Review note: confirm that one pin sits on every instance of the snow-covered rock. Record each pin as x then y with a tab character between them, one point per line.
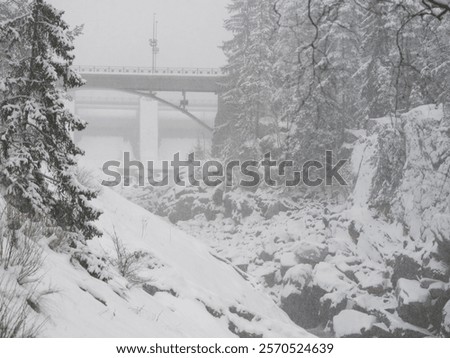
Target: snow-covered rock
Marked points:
445	326
351	323
373	281
287	260
275	208
413	302
299	276
310	252
302	305
329	278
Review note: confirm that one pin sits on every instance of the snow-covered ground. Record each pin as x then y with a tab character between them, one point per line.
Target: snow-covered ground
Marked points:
188	292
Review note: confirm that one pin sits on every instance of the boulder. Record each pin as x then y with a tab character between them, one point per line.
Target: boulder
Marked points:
266	255
217	197
414	302
270	278
302	306
298	299
398	328
436	268
329	278
439	289
435	313
354	230
351	323
445	324
242	267
182	210
299	276
268	252
373	281
236	208
310	252
228	205
331	304
405	267
440	295
287	260
210	215
275	208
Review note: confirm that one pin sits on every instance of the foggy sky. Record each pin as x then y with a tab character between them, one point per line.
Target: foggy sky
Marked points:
117	32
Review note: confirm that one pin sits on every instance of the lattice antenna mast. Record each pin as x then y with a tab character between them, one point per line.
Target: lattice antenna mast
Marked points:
154	43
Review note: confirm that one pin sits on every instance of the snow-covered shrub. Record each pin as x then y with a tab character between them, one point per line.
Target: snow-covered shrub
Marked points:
21	259
60	240
86	178
16	315
129	263
19	250
95	265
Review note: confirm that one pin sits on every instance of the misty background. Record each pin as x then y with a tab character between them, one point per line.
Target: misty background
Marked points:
117	32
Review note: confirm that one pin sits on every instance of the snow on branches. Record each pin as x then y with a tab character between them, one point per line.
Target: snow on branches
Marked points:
37	153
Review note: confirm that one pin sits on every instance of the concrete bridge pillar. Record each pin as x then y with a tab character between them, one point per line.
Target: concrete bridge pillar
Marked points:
149	129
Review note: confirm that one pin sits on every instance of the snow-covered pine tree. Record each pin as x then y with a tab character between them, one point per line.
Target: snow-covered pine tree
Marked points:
344	57
238	24
37	154
249	71
10	9
427	55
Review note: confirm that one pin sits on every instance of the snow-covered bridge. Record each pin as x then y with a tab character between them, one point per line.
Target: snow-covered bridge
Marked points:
205	80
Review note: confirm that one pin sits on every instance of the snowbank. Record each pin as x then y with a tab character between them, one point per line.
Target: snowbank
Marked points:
190	292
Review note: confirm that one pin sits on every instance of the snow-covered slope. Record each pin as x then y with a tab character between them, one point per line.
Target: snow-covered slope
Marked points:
188	291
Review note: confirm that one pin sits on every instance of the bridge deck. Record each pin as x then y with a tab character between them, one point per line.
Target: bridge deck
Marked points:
146	79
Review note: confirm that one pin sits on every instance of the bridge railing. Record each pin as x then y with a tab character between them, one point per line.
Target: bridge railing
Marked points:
168	71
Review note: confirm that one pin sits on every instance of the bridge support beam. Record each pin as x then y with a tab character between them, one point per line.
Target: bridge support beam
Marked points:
149	129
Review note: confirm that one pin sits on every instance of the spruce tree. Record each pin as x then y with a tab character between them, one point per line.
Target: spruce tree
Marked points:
249	72
37	154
